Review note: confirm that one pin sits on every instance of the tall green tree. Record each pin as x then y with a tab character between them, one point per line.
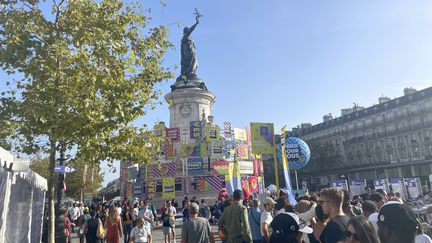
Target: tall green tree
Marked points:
324	155
84	70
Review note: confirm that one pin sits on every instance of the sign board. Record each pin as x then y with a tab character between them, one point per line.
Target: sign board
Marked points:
414	188
398	186
246	167
340	184
137	189
357	187
195	162
262	138
381	184
195	166
88	196
63	169
240	134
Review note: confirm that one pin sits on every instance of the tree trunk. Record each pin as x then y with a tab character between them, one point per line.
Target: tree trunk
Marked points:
51	194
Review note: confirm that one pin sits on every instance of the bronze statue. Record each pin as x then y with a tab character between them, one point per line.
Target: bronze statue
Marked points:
189	62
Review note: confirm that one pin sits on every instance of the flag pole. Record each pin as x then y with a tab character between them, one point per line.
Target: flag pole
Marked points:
275	165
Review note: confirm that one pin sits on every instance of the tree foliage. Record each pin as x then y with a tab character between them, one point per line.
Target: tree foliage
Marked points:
81	73
87	71
323	156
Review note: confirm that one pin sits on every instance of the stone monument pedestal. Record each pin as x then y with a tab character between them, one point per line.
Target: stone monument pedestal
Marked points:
187	105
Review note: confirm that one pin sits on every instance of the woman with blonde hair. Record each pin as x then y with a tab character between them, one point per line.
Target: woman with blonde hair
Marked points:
113	227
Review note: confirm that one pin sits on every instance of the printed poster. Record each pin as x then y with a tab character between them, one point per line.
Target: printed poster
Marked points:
195	166
262	138
245	185
168	188
173	134
240	134
212	133
220	167
159	130
253	182
191	150
242	151
195	129
164	170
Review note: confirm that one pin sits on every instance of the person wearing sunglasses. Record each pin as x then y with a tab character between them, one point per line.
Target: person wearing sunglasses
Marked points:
331	201
360	230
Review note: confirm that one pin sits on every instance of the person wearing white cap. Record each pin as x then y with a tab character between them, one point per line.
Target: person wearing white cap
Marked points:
288	228
266	218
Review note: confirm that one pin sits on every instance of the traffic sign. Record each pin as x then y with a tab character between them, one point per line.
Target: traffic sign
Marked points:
63	169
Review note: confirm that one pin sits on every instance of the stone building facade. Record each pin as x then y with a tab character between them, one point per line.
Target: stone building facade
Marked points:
388	140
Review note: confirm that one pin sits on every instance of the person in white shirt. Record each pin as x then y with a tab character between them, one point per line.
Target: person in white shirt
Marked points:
266	218
76	213
146	214
172	212
135	211
140	233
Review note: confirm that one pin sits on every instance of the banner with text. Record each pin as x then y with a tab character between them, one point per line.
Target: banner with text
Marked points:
195	129
195	166
262	138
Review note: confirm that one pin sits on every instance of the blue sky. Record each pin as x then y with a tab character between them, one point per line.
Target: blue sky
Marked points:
293	61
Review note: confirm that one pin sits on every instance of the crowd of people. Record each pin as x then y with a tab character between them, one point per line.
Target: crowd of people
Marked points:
330	216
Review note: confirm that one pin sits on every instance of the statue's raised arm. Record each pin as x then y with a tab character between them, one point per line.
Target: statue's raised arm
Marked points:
189	62
187	31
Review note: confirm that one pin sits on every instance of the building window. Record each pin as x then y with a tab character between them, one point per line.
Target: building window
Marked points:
403	153
416	152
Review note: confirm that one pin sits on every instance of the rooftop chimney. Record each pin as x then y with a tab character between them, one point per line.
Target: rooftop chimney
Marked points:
327	117
383	99
409	90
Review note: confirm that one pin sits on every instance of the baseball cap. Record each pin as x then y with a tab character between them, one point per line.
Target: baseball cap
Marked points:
289	223
269	200
397	216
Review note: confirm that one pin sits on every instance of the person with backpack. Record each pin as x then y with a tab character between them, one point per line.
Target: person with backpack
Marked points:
254	221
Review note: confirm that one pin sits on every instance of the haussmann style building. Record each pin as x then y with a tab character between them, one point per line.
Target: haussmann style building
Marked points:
389	140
